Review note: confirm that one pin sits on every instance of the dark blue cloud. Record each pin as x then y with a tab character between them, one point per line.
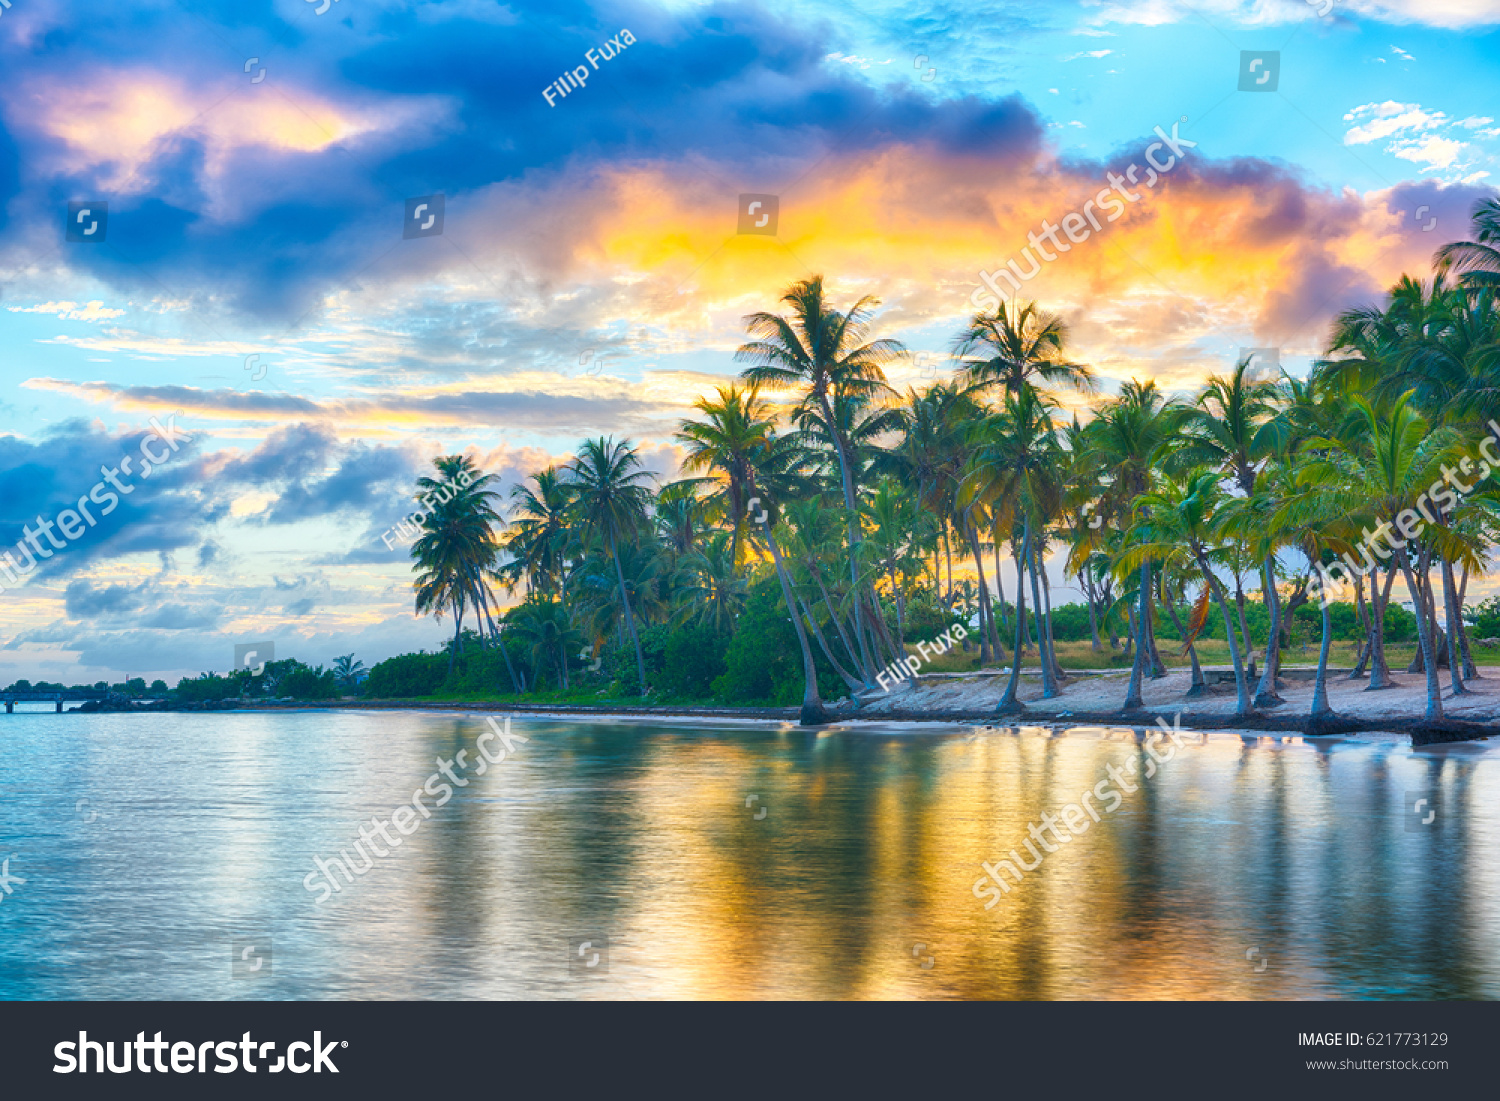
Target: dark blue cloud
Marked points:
296	459
39	480
742	91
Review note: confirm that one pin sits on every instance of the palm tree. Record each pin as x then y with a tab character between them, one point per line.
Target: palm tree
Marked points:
735	434
1019	346
457	546
1231	427
1377	473
931	458
712	592
1013	472
680	517
544	624
539	534
1476	262
605	480
1131	434
739	451
1182	515
347	672
823	353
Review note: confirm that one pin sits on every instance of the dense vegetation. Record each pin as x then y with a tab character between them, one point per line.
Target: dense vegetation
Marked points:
824	520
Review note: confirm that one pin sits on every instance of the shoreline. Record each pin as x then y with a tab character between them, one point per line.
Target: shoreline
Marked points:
1421	732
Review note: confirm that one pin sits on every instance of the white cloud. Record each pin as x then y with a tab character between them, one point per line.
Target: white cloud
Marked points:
1423	136
1088	53
1260	13
1389	118
1433	151
70	311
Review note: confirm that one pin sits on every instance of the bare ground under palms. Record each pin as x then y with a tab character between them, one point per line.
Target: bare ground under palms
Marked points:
1098	698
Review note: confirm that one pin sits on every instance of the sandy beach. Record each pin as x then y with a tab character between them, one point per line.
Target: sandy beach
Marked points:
1103	693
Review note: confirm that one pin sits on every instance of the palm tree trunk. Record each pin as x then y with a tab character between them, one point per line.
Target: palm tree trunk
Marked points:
1241	681
1239	599
1198	686
458	626
1471	671
1265	695
948	552
1000	590
856	536
1044	656
1133	699
482	603
1320	707
900	610
1363	656
1158	667
988	620
1424	636
882	630
984	595
640	658
1450	611
1009	704
1380	672
1422	568
838	625
813	713
1106	602
1057	670
852	682
1088	596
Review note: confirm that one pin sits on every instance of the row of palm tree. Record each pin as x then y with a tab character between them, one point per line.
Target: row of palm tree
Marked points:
862	500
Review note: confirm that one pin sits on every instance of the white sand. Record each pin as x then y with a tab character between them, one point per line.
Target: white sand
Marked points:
1106	692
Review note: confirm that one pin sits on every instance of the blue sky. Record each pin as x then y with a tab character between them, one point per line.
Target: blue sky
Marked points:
257	159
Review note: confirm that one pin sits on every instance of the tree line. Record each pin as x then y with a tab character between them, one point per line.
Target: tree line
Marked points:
861	507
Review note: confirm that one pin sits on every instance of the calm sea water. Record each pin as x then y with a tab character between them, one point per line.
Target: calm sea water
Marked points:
167	856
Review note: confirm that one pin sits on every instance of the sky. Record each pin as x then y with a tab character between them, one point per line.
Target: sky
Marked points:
315	243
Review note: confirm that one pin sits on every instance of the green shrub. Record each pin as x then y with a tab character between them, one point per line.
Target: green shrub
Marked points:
407	675
763	661
693	658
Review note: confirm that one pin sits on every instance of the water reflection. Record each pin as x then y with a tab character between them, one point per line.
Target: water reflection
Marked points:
739	861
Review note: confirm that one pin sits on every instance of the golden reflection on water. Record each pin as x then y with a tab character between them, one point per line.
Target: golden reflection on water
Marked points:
756	861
